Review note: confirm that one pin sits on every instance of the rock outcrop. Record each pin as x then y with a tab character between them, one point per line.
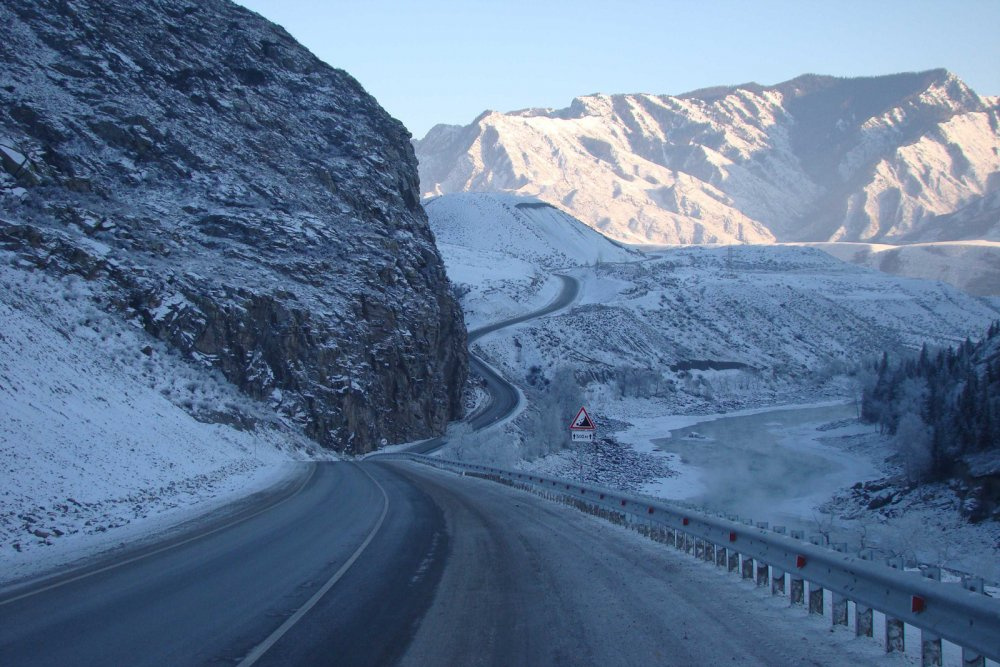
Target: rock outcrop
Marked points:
234	196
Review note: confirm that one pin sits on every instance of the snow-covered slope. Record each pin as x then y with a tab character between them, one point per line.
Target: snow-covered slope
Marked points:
709	329
812	159
685	336
500	250
973	266
102	426
520	228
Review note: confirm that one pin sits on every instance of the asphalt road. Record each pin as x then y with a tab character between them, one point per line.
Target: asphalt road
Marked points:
396	563
530	582
212	599
503	395
337	568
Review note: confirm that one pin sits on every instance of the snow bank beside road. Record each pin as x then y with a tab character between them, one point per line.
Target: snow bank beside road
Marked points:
97	432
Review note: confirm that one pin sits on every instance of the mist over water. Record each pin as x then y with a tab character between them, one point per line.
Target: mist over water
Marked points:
768	466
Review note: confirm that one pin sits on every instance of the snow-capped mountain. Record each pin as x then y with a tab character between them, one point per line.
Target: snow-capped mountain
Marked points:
886	159
227	193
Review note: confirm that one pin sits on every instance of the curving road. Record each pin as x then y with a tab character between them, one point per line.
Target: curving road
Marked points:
503	395
394	563
212	596
346	547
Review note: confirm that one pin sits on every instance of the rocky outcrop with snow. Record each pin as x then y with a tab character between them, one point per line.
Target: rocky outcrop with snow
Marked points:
235	197
885	159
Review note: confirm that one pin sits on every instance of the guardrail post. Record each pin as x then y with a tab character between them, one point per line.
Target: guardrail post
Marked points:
763	574
971	658
796	583
778	576
864	622
777	581
797	586
894	628
815	599
838	609
930	643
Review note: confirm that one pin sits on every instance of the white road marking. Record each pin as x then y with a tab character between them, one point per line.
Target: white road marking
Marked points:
134	559
273	638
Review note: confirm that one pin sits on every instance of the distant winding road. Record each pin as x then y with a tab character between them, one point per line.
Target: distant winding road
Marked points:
386	563
503	395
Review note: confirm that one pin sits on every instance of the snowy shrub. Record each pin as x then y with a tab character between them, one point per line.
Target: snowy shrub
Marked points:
913	443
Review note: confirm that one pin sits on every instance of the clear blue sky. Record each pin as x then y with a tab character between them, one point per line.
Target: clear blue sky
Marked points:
446	61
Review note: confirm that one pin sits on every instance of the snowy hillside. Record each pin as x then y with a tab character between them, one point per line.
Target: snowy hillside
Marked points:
703	340
520	228
500	250
973	266
102	425
812	159
708	329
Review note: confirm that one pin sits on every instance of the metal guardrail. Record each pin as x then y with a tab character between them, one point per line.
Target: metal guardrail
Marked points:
940	610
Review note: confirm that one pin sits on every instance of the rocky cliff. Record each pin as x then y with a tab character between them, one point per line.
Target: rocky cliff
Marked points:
232	195
884	159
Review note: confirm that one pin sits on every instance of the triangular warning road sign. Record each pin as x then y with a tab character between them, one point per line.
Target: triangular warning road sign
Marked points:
582	422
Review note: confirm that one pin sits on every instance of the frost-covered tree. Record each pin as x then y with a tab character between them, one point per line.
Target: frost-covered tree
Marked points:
554	403
947	404
913	443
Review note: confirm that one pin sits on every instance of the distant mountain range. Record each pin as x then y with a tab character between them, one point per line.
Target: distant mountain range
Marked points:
894	159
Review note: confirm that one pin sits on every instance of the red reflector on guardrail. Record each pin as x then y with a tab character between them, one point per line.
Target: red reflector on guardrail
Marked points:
917	604
732	536
650	510
685	521
623	503
800	561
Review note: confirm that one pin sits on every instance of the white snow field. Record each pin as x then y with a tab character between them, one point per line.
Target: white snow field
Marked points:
98	445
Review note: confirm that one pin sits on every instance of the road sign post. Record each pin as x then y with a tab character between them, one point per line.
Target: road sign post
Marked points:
582	429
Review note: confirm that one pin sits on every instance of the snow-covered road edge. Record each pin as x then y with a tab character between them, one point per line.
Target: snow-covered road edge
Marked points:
219	499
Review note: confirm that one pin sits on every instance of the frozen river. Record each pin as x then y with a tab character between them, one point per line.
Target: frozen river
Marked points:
769	466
